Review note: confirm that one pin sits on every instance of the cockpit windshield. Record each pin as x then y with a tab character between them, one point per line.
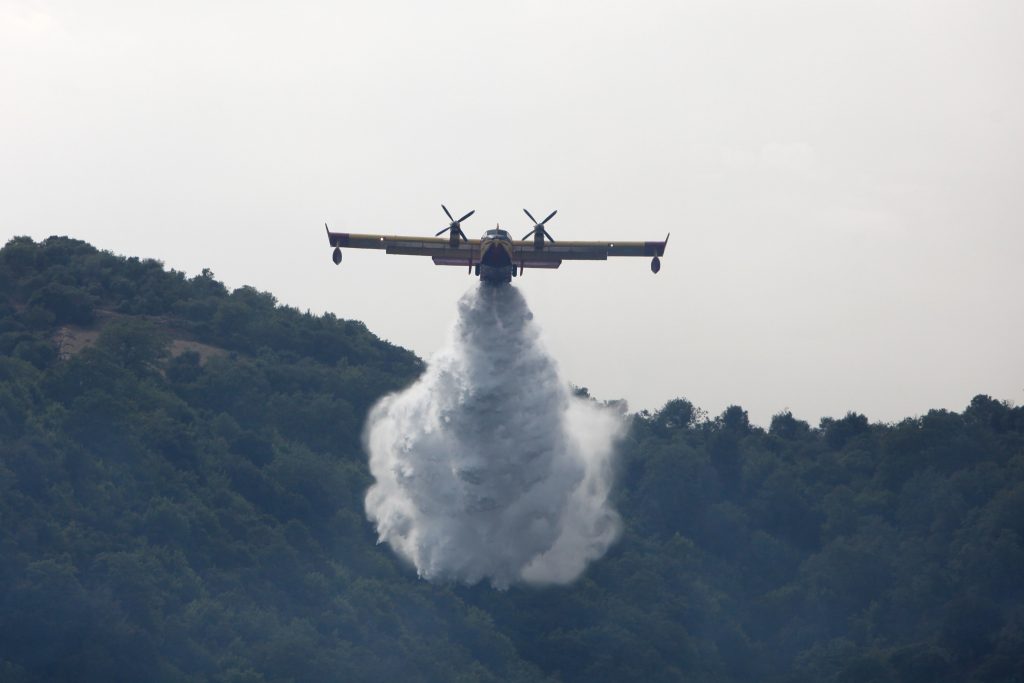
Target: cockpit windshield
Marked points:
498	234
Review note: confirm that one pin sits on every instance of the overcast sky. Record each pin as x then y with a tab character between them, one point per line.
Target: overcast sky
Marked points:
842	180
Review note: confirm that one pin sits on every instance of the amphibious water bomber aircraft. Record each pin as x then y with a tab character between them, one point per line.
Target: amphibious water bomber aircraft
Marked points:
496	257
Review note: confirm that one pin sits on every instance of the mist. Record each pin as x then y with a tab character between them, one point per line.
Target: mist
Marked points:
488	467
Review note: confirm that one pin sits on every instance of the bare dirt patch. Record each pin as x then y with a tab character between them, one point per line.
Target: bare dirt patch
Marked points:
73	339
205	351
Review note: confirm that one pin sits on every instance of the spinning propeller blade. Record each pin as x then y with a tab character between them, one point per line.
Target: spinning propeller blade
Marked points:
454	226
539	226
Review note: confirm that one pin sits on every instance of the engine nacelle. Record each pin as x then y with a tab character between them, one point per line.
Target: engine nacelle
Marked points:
655	264
336	256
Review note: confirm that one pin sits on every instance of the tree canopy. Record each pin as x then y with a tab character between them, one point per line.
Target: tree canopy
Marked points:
181	499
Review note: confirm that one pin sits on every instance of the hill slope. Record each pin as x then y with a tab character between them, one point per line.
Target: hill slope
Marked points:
181	484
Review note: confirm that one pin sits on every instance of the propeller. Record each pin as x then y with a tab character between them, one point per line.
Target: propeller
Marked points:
455	224
539	226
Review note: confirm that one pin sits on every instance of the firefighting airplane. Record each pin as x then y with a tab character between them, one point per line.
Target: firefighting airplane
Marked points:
496	257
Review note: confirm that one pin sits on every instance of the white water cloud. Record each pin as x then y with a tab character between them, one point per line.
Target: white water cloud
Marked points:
488	467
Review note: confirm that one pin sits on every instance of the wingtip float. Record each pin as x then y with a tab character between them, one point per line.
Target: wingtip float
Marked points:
496	257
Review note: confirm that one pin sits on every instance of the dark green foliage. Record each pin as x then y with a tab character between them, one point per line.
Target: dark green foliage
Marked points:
197	515
67	304
785	426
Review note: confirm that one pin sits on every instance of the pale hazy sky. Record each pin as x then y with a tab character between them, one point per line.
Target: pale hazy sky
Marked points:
842	180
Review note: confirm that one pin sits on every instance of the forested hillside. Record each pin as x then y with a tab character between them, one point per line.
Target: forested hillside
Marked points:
181	499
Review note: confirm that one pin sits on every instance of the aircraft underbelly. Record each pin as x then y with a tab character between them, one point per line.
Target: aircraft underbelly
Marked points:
495	263
496	255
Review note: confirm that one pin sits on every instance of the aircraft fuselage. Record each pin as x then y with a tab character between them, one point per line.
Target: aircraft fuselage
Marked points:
496	264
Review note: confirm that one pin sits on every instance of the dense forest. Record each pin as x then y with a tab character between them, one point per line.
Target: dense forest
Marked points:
181	499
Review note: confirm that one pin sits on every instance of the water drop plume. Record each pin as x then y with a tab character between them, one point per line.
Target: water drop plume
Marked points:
488	468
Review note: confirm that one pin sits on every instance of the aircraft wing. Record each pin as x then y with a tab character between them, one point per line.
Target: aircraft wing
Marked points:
438	248
584	251
467	252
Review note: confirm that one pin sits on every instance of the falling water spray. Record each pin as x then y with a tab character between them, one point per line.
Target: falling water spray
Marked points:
488	467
